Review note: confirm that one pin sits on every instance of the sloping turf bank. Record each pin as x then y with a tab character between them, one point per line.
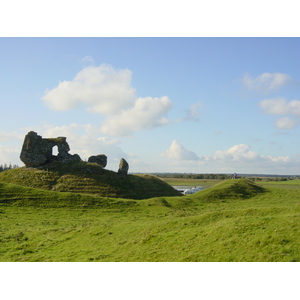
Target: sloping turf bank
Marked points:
89	178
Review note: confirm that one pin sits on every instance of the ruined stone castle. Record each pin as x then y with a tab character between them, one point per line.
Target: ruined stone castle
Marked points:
37	151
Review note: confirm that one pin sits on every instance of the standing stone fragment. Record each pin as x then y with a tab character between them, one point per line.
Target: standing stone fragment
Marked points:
123	167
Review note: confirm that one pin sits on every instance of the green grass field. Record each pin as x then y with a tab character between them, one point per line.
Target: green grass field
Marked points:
235	220
290	184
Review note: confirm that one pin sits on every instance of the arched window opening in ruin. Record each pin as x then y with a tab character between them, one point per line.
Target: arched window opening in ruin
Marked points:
55	150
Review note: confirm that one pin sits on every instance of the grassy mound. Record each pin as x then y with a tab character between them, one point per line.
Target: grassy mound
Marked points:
88	178
231	189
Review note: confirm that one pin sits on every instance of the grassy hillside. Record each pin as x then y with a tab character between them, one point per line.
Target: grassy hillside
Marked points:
232	189
89	178
235	220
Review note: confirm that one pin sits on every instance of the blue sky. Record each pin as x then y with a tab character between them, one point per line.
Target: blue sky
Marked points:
200	105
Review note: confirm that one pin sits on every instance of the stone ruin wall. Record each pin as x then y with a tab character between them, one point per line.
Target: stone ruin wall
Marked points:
37	151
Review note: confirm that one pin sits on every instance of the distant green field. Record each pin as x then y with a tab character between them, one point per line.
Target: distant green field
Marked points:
291	184
191	182
235	220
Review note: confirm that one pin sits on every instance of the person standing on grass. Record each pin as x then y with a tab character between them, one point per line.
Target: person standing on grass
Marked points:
234	176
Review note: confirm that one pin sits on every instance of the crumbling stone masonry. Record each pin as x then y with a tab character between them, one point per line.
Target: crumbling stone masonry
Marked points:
37	151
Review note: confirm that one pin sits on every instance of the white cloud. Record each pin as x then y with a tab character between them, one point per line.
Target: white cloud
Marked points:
266	82
280	159
236	153
178	152
146	113
4	136
108	141
242	153
108	92
286	123
240	158
193	111
9	155
103	90
88	60
11	143
280	106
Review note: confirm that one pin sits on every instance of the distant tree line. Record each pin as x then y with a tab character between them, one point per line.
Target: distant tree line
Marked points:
7	167
285	178
194	176
226	176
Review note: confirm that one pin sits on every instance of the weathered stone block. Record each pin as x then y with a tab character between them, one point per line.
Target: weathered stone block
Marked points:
100	159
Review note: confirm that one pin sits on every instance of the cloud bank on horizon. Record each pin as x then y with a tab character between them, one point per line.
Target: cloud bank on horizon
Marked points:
229	159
